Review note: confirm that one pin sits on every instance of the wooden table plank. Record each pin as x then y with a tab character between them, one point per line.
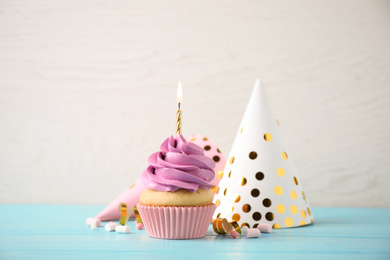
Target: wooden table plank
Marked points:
53	231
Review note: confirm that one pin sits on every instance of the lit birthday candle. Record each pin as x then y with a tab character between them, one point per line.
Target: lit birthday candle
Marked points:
178	113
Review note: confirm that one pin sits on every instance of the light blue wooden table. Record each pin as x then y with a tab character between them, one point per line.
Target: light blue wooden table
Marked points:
59	232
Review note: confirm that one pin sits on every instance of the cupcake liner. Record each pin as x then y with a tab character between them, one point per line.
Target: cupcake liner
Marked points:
176	222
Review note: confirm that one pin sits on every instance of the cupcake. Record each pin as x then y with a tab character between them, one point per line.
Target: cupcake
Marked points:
177	203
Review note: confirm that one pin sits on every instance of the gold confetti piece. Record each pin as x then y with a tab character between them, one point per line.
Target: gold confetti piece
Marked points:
222	226
137	215
123	210
236	226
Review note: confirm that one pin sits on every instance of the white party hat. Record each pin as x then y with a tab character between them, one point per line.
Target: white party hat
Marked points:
259	183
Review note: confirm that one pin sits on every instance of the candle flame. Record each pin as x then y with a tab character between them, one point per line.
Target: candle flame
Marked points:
179	93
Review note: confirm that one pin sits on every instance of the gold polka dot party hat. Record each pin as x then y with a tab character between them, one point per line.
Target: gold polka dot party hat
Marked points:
259	183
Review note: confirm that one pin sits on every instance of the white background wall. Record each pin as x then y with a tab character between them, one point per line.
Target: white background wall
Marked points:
88	88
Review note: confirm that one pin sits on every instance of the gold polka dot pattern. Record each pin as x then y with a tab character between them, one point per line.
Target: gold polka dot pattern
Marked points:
245	225
303	213
278	190
276	226
231	160
280	208
268	137
293	195
288	222
280	172
236	217
294	209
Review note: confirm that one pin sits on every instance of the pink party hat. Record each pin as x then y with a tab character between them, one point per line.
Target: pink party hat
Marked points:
130	196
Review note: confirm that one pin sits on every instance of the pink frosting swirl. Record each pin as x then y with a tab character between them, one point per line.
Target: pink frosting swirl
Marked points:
179	165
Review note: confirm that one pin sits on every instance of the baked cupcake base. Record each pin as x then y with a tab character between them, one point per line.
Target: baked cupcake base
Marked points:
171	222
179	198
